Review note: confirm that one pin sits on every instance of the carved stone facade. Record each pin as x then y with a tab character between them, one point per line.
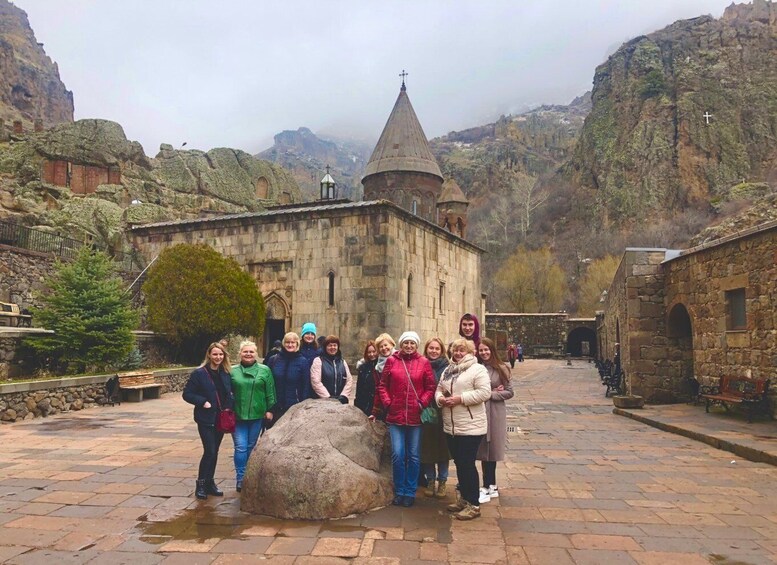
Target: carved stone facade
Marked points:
81	179
683	318
356	269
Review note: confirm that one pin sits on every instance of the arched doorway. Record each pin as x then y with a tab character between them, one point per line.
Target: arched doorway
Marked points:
276	320
680	333
581	342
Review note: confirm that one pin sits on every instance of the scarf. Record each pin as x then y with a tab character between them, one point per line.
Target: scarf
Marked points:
455	369
382	361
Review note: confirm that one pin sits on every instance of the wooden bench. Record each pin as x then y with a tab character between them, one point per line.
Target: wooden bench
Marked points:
753	394
137	386
14	316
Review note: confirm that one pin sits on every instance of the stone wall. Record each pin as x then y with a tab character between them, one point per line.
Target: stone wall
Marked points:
634	326
698	281
670	313
542	335
25	401
21	275
371	249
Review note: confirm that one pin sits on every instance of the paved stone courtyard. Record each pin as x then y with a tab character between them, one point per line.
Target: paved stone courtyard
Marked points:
582	485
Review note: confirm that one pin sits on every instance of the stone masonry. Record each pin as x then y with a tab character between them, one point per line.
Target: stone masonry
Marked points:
671	313
541	334
389	268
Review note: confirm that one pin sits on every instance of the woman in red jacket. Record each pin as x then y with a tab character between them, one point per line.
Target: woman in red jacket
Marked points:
406	386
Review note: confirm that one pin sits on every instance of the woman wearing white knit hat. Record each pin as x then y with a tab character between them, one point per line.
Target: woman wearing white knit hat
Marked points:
406	386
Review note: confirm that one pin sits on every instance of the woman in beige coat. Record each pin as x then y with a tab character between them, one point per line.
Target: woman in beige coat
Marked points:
461	392
492	448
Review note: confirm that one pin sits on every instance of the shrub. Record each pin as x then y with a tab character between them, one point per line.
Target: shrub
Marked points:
90	315
196	296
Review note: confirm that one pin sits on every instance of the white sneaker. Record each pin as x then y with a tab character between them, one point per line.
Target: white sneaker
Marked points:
493	491
483	498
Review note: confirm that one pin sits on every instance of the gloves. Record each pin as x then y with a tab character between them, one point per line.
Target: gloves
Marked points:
343	399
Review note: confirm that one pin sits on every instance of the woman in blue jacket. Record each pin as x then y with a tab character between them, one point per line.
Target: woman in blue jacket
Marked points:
291	372
210	390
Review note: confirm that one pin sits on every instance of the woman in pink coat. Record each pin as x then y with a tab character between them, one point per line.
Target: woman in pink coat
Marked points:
406	387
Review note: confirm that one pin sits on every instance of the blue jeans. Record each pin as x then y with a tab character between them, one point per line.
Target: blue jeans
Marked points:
441	469
405	458
245	436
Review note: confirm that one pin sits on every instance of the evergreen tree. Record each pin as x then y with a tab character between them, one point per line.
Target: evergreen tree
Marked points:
196	296
91	317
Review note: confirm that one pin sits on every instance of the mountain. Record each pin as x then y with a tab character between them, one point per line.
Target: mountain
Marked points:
306	155
680	117
30	87
484	159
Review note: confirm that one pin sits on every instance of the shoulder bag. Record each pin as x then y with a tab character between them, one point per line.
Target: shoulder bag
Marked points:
429	415
225	419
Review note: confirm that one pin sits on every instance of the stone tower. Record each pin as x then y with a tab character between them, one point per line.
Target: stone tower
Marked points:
452	209
402	168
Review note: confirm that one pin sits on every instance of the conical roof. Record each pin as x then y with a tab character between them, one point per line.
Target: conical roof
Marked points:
402	145
451	192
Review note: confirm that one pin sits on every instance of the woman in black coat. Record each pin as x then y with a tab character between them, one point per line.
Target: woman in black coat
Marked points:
366	379
291	372
210	390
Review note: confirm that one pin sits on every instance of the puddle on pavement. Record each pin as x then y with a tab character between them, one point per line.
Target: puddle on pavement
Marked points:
717	559
72	425
225	521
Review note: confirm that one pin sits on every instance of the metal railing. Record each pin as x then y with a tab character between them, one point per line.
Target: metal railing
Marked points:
23	237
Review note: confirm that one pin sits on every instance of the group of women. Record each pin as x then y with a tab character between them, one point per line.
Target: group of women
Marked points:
439	404
259	394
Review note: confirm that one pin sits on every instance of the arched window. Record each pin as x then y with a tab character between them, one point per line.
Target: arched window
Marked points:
415	207
331	288
441	298
410	290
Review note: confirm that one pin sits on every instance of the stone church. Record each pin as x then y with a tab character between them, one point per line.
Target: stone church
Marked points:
396	261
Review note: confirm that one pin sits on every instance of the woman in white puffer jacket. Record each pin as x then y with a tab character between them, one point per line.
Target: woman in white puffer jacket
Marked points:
463	388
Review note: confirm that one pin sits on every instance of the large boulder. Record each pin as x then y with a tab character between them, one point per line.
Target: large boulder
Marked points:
322	460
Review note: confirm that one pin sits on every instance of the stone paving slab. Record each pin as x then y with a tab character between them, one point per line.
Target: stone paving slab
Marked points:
756	441
579	485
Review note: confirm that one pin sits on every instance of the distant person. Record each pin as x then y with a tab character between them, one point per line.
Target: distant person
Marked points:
254	390
291	375
405	388
512	355
320	341
492	448
330	376
276	348
469	328
309	348
461	393
366	379
209	389
519	350
435	457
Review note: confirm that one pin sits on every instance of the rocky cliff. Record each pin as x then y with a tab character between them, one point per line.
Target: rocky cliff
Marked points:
680	116
306	155
87	180
30	87
483	159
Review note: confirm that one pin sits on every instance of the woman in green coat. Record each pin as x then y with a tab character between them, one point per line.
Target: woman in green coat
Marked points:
254	390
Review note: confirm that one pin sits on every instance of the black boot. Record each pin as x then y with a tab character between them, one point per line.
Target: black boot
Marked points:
211	487
201	491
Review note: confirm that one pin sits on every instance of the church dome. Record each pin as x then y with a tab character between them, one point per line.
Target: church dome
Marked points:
402	145
451	192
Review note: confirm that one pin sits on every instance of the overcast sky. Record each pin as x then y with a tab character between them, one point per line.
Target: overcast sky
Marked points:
235	72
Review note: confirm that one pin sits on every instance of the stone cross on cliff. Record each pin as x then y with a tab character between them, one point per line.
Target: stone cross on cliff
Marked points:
707	117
